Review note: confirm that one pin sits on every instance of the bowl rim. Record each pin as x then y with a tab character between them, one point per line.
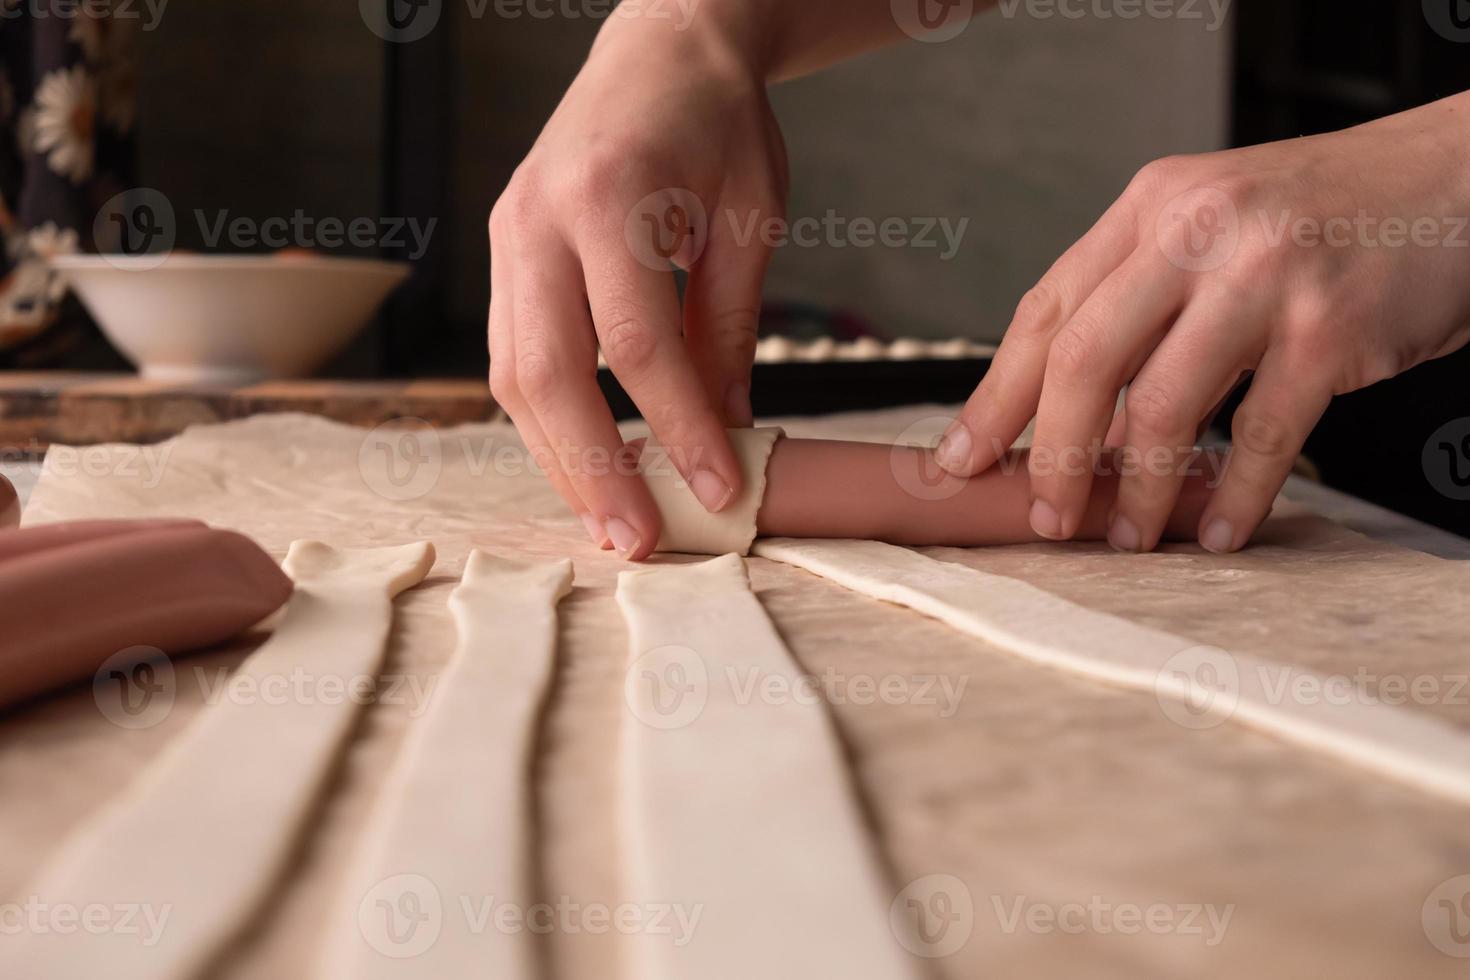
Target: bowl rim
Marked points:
203	262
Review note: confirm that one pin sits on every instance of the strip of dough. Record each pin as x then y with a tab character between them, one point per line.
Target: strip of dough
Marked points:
738	810
204	833
687	526
454	822
1413	748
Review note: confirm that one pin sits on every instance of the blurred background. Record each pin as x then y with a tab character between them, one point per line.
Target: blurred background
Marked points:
1026	127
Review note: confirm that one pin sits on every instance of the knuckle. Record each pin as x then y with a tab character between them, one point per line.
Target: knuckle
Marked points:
629	346
503	382
1262	434
1072	356
738	329
536	376
1152	408
1038	310
596	174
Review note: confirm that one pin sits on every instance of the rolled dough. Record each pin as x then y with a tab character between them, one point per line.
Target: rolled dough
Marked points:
452	830
201	836
687	526
1413	748
736	805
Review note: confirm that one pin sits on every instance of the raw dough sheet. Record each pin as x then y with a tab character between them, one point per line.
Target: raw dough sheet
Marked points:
1048	821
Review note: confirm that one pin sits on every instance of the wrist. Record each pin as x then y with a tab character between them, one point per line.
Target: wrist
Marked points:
726	38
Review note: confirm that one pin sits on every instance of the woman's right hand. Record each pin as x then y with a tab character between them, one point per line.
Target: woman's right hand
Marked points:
663	151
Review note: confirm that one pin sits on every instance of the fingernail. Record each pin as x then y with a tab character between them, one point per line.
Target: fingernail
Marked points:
1219	536
1045	521
713	492
954	448
738	413
624	538
1123	535
594	529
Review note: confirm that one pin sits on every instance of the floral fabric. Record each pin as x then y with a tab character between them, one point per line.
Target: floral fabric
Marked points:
67	102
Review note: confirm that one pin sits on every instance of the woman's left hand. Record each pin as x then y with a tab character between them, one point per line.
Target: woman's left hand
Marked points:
1322	265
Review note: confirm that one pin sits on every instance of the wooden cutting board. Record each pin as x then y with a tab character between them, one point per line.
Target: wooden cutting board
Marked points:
41	408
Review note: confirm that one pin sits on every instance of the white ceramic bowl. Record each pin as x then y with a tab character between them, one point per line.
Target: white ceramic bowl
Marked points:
229	319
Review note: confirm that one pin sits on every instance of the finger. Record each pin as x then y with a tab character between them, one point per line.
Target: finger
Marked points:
1118	326
556	373
1006	398
1285	401
635	310
507	393
1192	370
722	305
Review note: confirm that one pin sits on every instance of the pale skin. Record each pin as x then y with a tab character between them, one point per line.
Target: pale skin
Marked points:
663	103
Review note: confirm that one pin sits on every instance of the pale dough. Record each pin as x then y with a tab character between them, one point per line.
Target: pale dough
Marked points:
735	804
453	824
203	834
1411	747
687	526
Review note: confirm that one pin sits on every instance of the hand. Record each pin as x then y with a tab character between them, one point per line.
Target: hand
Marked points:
663	148
1318	265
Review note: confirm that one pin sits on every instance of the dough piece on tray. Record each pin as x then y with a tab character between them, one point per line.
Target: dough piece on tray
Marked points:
201	836
1417	749
453	819
687	526
737	809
